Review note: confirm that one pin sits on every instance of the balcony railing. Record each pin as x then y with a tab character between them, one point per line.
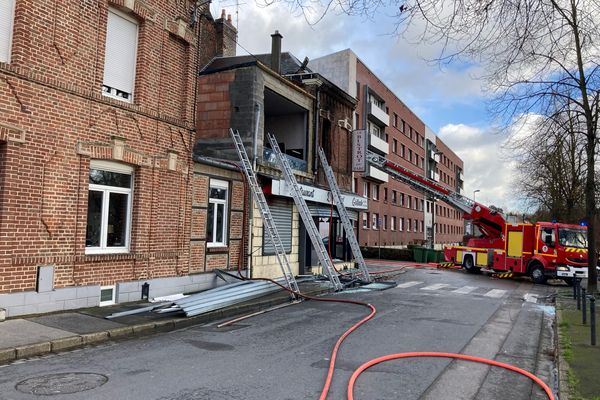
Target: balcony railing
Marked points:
379	114
377	174
295	163
379	145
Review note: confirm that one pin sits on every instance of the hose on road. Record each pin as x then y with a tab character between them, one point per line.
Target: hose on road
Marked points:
396	356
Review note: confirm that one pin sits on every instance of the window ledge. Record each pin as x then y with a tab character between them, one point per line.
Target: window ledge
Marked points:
217	249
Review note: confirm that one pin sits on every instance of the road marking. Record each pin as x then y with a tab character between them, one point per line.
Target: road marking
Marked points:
437	286
531	298
465	289
408	284
495	293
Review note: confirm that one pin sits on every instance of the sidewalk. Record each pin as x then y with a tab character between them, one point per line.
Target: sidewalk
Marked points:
579	360
51	333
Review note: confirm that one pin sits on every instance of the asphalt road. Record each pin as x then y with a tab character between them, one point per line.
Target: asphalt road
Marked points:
284	354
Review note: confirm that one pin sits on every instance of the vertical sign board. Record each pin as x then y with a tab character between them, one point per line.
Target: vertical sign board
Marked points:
359	150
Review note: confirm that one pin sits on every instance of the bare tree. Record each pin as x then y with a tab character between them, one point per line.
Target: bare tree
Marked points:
551	166
534	52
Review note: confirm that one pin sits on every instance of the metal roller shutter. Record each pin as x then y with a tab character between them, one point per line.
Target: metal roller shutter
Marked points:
321	210
281	210
121	49
6	28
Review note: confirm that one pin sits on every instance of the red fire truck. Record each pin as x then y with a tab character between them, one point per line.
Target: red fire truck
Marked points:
542	250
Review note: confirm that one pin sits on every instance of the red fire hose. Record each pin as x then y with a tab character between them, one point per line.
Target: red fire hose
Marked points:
388	357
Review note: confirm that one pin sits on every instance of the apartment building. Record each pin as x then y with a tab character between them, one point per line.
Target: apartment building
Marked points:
397	214
96	134
276	93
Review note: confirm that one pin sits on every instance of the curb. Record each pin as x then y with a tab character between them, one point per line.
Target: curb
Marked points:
8	355
562	364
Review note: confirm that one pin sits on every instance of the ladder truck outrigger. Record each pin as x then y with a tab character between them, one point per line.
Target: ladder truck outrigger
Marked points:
544	250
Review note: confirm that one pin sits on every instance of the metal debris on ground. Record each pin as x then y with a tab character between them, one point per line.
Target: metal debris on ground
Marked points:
212	299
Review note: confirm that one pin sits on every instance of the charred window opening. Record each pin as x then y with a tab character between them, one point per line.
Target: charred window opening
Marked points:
288	122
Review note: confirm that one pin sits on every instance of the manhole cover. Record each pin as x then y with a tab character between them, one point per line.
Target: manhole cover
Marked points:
65	383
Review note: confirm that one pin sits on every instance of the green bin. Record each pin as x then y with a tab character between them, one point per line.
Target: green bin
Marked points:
435	256
420	254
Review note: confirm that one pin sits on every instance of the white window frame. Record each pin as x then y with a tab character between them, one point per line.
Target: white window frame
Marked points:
393	223
365	220
112	93
216	183
375	191
11	28
401	224
106	190
113	300
374	218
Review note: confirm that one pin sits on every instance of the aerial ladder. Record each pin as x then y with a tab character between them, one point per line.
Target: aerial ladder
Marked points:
309	224
489	220
269	222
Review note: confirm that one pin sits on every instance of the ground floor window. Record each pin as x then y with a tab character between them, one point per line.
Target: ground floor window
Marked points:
217	213
109	207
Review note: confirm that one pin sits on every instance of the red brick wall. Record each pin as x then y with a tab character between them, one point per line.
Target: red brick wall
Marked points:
54	120
387	237
204	258
213	107
450	224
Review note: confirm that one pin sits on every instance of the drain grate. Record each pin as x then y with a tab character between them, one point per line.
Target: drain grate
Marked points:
64	383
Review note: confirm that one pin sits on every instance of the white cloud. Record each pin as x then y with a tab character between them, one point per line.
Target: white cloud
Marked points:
485	166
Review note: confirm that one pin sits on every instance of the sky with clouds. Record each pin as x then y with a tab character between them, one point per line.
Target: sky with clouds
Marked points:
449	98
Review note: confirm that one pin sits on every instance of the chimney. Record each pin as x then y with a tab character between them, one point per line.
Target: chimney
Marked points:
276	52
226	36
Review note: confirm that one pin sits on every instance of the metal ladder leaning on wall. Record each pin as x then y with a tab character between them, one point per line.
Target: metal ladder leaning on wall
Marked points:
337	198
269	222
304	212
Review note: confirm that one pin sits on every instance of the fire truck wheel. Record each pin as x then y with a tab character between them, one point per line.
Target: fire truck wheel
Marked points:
537	274
469	265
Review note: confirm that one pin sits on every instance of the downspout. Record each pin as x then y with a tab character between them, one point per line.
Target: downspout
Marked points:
255	144
316	145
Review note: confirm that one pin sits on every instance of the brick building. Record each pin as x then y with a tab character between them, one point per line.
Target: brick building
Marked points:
397	214
97	126
276	93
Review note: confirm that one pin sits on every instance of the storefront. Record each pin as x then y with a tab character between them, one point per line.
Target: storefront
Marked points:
326	219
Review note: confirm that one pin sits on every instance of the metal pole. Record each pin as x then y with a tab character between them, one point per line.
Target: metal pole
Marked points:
583	307
593	318
578	294
574	288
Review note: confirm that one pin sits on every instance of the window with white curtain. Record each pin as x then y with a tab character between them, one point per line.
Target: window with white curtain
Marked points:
109	207
7	13
120	56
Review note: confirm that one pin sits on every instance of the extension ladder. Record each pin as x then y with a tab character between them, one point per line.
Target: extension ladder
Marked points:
304	212
269	222
337	198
